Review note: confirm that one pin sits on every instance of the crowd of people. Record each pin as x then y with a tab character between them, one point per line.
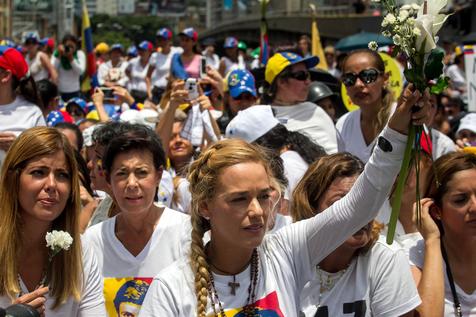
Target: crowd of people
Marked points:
192	187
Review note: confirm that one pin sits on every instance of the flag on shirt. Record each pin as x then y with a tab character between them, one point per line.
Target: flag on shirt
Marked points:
90	80
263	42
316	42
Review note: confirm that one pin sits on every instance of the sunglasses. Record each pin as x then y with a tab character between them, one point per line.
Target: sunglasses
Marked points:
367	76
301	75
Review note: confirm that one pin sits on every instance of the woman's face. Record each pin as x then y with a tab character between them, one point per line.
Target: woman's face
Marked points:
45	187
96	171
338	189
362	94
242	102
134	180
240	207
180	149
458	206
292	89
186	43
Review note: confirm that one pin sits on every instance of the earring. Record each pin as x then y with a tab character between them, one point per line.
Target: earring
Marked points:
206	218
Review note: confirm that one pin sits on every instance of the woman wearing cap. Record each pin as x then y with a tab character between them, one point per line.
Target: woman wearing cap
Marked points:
137	72
363	275
186	64
160	61
242	272
231	60
287	78
240	94
38	62
70	62
19	99
39	193
113	72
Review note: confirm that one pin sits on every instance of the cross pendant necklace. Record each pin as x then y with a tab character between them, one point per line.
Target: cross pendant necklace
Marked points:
233	286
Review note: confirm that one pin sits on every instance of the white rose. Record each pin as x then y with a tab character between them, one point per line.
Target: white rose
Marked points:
403	15
397	39
391	19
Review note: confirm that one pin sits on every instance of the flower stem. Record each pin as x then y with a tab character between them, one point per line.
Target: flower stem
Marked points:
402	176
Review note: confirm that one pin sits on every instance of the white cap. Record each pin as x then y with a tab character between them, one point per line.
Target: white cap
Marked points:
251	123
88	134
468	122
147	117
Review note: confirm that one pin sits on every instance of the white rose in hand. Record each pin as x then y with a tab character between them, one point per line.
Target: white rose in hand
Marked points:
58	240
429	24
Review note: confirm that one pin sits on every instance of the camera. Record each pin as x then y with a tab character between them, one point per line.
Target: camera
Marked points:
108	92
67	49
191	85
19	310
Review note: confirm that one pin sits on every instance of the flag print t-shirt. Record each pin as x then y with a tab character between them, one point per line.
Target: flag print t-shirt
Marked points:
127	277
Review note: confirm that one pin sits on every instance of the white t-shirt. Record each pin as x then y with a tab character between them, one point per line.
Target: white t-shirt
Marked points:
68	79
19	116
467	301
36	67
287	257
351	138
377	283
457	76
442	144
124	273
280	221
310	120
183	198
138	73
106	72
294	169
91	303
162	62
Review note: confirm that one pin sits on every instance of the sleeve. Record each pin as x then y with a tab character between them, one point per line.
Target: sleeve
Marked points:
40	121
159	301
79	65
313	239
102	72
416	254
393	290
92	299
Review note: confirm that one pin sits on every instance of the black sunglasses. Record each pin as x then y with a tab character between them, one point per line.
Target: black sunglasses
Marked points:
301	75
367	76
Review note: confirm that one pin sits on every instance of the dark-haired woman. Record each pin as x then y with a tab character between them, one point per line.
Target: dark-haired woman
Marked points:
143	237
70	62
366	82
363	275
258	125
19	99
452	203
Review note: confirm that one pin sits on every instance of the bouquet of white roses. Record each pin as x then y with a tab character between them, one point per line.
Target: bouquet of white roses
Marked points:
413	29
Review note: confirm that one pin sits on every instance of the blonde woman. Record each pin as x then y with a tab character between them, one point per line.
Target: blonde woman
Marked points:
39	192
240	272
363	275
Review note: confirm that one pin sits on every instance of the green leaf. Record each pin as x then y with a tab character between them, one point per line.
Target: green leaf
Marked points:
440	85
434	64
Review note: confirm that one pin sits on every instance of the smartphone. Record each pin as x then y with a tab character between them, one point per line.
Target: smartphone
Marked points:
108	93
203	66
191	85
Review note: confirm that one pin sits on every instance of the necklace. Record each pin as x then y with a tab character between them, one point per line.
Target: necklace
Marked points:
327	280
250	309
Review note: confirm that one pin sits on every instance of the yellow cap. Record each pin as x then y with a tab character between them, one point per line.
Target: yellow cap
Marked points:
102	48
280	61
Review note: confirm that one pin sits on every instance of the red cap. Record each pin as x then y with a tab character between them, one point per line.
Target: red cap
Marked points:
13	61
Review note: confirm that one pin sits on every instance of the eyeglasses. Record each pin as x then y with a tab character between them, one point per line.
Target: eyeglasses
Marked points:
367	76
301	75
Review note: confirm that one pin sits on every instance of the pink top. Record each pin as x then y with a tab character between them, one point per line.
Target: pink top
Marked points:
193	67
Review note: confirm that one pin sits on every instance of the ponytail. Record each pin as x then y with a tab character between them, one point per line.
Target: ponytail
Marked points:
26	87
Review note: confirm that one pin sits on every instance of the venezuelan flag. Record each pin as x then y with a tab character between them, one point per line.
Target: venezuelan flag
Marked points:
90	80
264	44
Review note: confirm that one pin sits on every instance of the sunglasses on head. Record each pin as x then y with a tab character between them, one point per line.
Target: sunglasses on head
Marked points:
367	76
301	75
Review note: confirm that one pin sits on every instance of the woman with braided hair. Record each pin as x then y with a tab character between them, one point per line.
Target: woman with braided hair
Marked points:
242	272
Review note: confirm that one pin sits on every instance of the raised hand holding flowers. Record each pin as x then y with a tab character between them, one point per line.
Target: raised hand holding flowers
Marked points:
413	29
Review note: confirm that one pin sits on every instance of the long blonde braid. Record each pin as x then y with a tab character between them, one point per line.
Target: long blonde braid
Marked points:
203	178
